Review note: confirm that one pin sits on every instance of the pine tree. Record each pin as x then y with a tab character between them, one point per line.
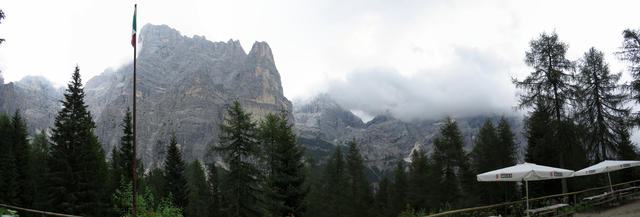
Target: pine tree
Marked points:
174	171
215	202
399	189
125	151
549	86
199	194
286	176
360	195
334	187
21	154
77	167
599	105
419	181
449	162
505	156
239	148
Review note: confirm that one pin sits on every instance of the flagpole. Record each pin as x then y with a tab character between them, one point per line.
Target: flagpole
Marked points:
135	213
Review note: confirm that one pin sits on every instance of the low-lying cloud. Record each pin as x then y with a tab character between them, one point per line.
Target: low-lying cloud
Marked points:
474	83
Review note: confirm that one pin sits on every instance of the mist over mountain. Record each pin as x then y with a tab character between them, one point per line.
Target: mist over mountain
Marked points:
184	84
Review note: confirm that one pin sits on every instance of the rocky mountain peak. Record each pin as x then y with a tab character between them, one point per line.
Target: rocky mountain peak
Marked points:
261	50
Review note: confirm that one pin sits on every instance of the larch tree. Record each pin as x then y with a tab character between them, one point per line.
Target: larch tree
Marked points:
599	105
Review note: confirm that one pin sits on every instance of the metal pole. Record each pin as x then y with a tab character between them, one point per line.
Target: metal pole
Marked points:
610	187
526	183
134	118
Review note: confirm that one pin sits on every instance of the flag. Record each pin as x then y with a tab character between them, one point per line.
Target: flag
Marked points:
133	33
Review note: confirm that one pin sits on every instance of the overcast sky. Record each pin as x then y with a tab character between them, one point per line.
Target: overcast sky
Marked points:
416	59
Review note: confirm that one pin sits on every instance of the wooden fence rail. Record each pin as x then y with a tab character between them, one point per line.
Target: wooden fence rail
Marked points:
575	200
43	213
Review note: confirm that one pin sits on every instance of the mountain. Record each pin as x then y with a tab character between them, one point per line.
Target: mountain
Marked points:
35	97
183	87
321	124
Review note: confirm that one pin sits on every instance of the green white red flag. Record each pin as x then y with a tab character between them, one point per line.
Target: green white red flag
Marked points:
133	33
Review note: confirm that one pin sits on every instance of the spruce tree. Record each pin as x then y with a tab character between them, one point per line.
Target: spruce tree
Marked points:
77	169
125	152
599	105
334	187
239	148
21	157
549	85
8	169
199	194
419	181
215	202
360	195
399	189
286	177
174	175
39	156
505	156
383	199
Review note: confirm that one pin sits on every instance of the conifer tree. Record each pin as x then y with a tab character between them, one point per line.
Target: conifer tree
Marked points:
22	161
334	187
449	163
286	177
399	188
239	148
505	156
215	202
174	175
199	194
8	169
549	86
39	156
360	195
77	167
383	199
599	105
419	181
630	52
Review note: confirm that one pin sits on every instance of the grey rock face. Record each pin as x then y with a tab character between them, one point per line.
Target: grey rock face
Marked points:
36	99
183	85
321	124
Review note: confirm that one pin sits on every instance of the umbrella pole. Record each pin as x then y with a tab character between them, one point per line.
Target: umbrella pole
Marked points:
610	187
526	183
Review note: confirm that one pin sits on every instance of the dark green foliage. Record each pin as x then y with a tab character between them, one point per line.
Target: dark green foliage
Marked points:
124	155
199	194
77	169
239	148
494	149
215	202
155	180
599	106
449	162
549	86
8	167
399	189
383	199
334	186
21	157
286	177
174	171
420	181
359	192
39	157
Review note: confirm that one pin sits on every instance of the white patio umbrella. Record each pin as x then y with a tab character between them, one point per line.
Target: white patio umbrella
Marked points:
607	166
524	172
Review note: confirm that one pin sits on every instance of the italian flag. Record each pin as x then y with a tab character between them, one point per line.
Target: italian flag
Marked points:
133	33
